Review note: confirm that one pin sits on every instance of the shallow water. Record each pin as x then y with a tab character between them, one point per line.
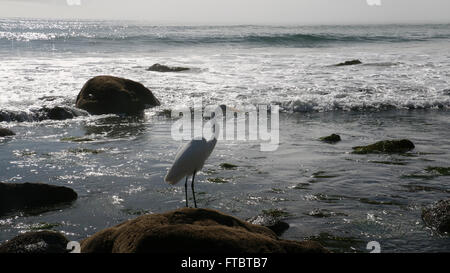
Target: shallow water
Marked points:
119	175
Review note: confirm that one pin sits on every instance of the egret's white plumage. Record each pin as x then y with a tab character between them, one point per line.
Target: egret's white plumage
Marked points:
191	158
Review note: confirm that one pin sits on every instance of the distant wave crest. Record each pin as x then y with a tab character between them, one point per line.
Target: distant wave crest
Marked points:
68	31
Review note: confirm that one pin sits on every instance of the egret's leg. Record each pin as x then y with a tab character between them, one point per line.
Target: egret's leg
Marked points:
192	186
185	190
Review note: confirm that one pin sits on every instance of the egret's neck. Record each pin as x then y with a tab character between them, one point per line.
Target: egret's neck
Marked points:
215	129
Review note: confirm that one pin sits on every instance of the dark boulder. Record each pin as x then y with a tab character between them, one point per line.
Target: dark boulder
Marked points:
386	147
190	230
334	138
6	132
437	216
60	113
36	243
352	62
165	68
33	196
113	95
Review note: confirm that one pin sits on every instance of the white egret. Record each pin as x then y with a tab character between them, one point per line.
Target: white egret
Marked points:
191	158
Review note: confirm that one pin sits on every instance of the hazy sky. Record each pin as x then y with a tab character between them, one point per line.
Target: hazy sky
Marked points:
236	11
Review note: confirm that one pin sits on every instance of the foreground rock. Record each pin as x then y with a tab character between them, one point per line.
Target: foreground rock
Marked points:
164	68
6	132
352	62
437	216
386	146
191	230
36	243
334	138
112	95
32	196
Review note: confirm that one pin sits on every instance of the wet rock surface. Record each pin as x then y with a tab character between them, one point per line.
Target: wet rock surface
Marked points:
331	139
6	132
45	113
113	95
386	147
33	196
36	243
192	231
165	68
352	62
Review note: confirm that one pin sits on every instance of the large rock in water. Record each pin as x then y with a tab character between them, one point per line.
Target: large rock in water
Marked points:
32	196
437	216
36	243
386	147
6	132
112	95
190	230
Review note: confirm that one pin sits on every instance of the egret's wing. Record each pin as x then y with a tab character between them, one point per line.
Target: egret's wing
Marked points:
190	158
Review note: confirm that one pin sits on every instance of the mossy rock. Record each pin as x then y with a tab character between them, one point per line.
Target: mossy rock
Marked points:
41	242
386	147
189	230
334	138
217	180
444	171
85	151
276	213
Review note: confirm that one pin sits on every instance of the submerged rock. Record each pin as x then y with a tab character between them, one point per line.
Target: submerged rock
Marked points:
272	219
32	196
165	68
277	226
36	243
6	132
386	146
61	113
45	113
437	216
228	166
334	138
352	62
192	230
443	171
113	95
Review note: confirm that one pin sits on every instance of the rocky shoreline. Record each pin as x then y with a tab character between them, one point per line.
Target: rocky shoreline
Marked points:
199	230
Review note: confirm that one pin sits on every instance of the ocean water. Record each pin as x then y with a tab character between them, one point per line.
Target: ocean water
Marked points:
323	191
